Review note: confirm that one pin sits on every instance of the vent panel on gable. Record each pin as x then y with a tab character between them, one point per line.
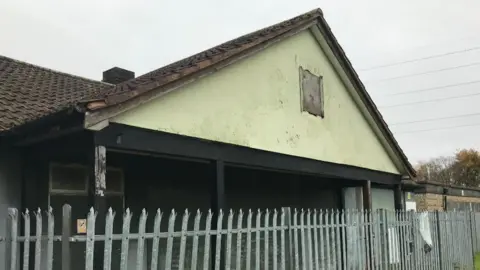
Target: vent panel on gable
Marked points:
311	92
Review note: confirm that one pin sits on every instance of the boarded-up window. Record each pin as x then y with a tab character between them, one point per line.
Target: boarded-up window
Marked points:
73	179
311	90
70	179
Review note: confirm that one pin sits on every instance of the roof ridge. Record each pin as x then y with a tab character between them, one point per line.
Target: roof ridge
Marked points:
53	70
316	11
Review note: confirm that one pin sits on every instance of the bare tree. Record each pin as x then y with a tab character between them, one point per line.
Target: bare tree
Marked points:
461	169
438	169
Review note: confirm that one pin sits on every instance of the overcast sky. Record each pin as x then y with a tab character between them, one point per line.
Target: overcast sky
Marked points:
88	37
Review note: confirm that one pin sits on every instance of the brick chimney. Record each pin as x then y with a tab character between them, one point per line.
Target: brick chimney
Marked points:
117	75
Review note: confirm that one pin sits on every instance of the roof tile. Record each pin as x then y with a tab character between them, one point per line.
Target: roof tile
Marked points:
29	92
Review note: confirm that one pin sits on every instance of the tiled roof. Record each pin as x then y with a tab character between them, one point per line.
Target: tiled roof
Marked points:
29	92
200	61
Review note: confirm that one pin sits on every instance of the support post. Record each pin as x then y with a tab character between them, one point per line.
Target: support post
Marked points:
99	199
367	207
217	196
218	186
100	171
398	198
445	199
400	207
367	195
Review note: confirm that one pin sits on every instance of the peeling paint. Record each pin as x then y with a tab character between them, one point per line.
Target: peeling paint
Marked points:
256	103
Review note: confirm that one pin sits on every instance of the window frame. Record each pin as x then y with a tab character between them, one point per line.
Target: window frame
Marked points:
83	192
54	191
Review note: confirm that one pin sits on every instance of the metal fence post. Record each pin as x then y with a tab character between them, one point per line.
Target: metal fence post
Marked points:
471	231
289	238
440	257
11	240
8	239
385	238
66	234
413	230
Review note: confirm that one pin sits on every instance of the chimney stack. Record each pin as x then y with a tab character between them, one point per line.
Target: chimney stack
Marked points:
117	75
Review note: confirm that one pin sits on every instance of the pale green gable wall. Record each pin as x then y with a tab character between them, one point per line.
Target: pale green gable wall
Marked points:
256	103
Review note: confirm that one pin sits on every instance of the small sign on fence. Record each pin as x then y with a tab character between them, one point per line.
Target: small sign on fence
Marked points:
81	226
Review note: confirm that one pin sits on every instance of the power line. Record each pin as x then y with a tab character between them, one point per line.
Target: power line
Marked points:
434	88
434	129
431	100
420	59
434	119
424	73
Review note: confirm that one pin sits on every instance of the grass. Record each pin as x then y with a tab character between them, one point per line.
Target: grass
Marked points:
477	261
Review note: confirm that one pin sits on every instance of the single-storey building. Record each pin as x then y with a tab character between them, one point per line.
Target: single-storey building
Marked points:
271	119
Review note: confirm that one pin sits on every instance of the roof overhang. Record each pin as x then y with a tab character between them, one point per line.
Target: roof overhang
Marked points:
98	112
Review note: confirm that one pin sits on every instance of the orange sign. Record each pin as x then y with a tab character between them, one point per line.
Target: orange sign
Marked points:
81	226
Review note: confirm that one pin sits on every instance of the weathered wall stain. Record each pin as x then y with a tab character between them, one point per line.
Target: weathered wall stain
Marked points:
256	103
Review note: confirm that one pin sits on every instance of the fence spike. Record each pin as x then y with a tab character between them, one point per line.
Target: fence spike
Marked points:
196	229
170	237
296	249
13	235
127	217
238	254
322	221
183	240
309	251
38	240
274	239
266	245
330	250
50	234
38	212
257	238
26	245
303	246
218	245
156	239
141	239
12	213
315	225
90	243
206	254
338	244
248	251
228	253
107	252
